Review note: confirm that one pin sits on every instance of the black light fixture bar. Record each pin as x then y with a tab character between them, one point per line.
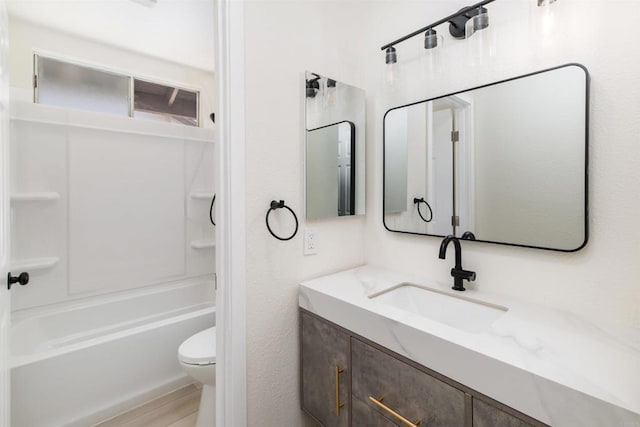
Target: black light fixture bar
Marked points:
435	24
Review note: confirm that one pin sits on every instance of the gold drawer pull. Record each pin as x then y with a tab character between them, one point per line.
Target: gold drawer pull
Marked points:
339	405
405	421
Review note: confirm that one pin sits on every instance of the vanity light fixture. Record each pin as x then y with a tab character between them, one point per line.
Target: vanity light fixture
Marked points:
330	93
391	71
430	39
391	56
457	28
313	86
458	25
481	20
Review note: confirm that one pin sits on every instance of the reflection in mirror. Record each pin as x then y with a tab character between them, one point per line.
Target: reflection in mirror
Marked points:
334	148
330	170
503	163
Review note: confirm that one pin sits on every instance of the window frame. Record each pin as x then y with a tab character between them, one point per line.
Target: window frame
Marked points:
107	70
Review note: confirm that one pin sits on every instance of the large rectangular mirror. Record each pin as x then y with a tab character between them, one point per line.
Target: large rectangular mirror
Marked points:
334	148
502	163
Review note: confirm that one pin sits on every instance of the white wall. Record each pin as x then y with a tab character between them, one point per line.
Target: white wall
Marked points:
179	31
599	282
283	39
26	37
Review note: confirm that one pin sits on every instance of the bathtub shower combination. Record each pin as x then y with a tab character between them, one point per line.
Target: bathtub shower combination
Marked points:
111	218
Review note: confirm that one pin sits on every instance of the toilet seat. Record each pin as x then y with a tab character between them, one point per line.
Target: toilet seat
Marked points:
199	349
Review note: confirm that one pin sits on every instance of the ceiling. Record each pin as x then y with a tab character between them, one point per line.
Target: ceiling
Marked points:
176	30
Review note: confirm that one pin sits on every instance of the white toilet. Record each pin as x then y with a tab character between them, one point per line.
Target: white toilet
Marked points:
197	355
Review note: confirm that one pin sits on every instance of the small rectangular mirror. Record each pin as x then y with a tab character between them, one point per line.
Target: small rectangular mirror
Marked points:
502	163
334	148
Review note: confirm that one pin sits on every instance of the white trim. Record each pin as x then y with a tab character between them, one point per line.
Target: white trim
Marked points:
34	264
430	175
470	169
129	129
203	244
28	112
41	196
201	195
231	369
5	229
465	179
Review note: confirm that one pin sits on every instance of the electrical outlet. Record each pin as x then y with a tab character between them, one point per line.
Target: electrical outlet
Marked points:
310	242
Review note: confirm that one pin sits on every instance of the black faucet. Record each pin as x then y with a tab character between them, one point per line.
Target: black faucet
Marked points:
457	272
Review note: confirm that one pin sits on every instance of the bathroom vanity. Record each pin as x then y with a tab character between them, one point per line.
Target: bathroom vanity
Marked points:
384	349
341	370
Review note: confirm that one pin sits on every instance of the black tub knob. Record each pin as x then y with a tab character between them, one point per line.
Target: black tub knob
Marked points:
22	279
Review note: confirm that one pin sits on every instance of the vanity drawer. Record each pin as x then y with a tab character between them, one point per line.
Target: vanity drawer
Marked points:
363	415
487	415
405	389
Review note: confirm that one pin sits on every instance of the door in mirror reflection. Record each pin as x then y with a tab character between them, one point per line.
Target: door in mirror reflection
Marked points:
505	162
331	170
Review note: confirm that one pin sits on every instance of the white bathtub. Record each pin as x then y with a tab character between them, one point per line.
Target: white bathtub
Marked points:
80	363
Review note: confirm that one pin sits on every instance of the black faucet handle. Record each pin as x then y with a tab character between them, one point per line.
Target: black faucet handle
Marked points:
469	275
463	274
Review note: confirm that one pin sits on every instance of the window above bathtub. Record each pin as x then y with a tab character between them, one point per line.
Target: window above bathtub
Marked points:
65	84
154	101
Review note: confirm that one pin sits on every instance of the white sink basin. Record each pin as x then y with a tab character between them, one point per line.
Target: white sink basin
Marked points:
461	312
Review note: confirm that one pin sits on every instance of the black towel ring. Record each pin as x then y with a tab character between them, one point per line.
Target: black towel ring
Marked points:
211	210
468	235
417	202
277	205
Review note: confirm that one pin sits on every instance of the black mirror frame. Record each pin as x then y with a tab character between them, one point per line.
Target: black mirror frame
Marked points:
586	158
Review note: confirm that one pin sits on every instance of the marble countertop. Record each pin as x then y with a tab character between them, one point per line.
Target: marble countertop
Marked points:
550	364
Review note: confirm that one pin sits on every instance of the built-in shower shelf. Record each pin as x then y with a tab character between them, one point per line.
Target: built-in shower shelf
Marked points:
44	196
201	195
34	264
203	244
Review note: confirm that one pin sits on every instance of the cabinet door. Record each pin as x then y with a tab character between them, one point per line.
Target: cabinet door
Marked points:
326	373
487	415
408	391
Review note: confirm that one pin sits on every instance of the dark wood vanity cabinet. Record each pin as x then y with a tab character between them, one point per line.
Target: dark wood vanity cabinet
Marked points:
325	371
486	415
396	389
364	415
379	388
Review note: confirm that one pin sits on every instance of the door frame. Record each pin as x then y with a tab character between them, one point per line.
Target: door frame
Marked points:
461	107
231	368
231	390
465	174
5	210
